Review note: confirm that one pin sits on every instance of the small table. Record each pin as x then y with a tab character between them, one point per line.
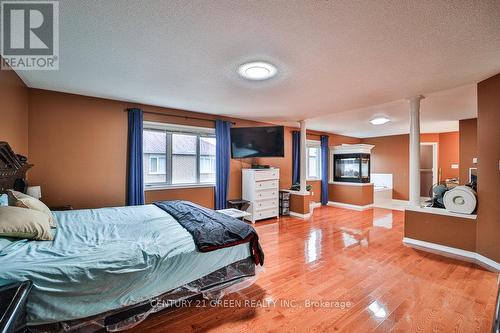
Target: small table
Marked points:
239	204
233	212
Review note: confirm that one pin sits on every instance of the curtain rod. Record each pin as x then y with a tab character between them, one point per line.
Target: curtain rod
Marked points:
178	116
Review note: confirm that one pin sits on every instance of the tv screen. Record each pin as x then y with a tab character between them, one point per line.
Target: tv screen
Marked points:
257	142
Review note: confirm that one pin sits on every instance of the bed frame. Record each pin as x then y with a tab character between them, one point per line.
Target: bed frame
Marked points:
237	276
13	169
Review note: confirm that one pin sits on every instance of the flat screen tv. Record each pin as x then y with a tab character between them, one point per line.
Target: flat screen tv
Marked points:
257	142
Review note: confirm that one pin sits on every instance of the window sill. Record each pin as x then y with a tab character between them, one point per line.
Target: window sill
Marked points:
175	187
313	179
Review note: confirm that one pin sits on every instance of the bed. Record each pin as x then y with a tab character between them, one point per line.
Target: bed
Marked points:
105	266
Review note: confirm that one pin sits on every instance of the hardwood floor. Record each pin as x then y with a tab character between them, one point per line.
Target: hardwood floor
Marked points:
356	264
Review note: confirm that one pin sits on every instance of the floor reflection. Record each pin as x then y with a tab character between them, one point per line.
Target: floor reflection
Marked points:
313	246
384	221
352	237
377	309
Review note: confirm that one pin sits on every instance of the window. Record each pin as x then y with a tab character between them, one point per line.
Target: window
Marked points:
207	159
313	166
177	155
157	164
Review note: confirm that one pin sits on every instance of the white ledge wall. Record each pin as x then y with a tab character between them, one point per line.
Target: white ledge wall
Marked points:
453	253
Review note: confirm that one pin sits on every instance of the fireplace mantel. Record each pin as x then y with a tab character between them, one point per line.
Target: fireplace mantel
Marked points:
360	148
350	163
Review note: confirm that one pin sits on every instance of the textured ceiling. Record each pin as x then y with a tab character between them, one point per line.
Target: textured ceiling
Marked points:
439	112
332	56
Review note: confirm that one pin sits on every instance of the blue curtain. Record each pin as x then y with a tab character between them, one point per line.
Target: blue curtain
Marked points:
295	157
135	180
324	169
222	161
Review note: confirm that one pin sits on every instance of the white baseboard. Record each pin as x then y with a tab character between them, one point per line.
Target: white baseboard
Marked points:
453	252
300	216
315	204
393	204
388	206
349	206
401	202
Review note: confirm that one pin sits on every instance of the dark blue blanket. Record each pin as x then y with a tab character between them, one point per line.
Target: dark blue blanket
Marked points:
212	230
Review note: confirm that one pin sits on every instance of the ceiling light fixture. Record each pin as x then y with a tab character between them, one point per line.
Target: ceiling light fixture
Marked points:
257	70
379	120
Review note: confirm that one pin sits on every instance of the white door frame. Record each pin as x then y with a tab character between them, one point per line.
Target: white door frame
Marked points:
434	160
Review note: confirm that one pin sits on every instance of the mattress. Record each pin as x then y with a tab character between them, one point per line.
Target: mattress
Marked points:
106	259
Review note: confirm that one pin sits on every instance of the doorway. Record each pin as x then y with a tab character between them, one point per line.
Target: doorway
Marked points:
428	167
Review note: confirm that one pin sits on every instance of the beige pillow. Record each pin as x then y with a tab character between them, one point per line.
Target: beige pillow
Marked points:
25	201
19	222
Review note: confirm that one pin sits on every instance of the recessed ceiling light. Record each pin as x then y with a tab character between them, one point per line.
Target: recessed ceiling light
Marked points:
379	120
257	70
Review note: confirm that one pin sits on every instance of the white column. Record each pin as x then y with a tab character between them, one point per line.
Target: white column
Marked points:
303	156
415	150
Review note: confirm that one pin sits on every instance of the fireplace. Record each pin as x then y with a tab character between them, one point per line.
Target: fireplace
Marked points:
350	163
353	168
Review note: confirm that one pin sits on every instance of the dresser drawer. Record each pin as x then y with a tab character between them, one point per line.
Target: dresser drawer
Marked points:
267	184
264	214
266	194
265	204
266	174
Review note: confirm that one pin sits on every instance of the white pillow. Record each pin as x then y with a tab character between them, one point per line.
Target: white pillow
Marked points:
25	201
19	222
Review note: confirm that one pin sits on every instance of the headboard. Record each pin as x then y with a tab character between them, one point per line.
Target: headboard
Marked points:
12	169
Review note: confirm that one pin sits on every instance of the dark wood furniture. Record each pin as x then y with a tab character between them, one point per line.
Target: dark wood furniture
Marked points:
13	298
239	204
13	169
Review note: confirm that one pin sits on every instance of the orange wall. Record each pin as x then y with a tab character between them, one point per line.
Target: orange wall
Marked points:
448	154
352	195
391	155
78	145
203	196
14	106
79	148
488	147
478	138
468	147
315	191
450	231
300	203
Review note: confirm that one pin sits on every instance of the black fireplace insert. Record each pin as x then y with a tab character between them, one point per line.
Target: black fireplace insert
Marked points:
352	168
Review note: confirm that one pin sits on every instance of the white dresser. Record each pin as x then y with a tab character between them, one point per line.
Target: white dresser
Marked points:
261	188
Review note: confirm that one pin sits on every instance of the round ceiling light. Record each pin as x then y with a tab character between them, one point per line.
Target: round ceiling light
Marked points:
379	120
257	70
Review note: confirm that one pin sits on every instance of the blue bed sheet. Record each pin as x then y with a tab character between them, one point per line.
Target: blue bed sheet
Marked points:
105	259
